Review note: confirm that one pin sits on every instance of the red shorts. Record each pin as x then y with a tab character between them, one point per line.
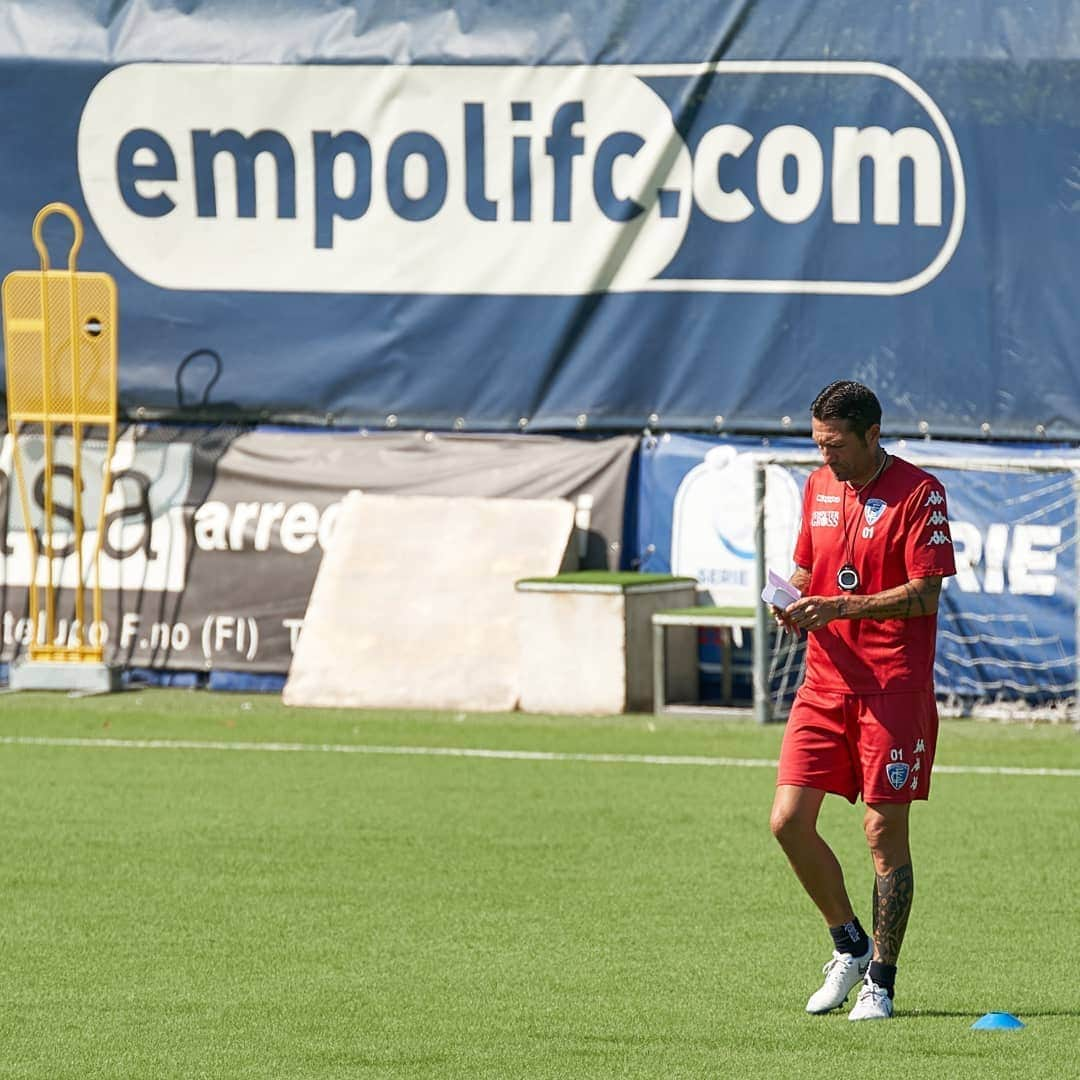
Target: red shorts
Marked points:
878	745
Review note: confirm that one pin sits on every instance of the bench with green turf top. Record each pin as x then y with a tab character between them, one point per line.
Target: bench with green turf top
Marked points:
724	619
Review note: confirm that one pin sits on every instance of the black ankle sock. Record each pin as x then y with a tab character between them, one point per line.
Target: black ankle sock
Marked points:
884	975
850	937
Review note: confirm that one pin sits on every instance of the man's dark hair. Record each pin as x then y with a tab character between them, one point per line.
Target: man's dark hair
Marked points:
850	401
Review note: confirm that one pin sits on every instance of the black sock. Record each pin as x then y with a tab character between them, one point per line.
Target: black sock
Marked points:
850	937
884	975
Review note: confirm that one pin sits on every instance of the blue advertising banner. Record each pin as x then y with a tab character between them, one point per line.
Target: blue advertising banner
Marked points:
539	216
1007	621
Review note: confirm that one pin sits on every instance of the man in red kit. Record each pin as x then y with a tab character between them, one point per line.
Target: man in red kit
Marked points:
872	551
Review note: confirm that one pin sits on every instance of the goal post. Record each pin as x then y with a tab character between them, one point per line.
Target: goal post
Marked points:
981	657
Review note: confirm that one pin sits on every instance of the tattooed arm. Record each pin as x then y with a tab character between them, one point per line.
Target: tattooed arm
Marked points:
911	600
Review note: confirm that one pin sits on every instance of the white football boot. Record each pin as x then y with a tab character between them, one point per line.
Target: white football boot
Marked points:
873	1002
842	973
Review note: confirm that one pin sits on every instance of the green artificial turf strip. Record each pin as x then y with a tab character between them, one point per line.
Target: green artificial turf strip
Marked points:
214	914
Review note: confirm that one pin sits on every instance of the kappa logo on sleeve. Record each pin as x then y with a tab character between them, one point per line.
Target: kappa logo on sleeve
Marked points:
937	538
935	498
937	518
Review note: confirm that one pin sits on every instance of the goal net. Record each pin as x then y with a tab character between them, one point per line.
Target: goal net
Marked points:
1007	622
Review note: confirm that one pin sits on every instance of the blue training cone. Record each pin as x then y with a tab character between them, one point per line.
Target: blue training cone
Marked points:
998	1022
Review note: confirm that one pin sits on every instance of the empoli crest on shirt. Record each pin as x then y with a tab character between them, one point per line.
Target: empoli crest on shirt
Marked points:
873	510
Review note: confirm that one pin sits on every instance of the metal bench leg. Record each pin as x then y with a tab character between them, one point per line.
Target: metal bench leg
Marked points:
725	652
659	669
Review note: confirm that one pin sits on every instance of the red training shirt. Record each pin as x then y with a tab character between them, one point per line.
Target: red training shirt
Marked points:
897	530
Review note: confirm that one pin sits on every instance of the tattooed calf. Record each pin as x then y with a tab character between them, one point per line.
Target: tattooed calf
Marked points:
893	893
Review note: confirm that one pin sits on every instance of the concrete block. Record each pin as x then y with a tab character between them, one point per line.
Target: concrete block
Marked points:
588	648
87	678
414	606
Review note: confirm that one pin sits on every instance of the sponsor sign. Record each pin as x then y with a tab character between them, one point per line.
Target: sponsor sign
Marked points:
377	178
626	231
1007	619
712	525
213	536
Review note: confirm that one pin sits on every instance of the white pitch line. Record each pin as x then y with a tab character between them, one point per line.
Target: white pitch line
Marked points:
467	752
1003	770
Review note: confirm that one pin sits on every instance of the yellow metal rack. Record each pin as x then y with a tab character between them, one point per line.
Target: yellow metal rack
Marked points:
60	340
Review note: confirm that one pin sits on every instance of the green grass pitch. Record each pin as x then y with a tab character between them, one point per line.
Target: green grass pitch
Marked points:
187	913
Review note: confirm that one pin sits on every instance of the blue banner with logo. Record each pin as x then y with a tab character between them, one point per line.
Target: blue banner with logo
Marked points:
1007	621
536	216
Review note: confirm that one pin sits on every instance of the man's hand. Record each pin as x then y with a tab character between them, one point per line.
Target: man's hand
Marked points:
801	580
814	612
783	621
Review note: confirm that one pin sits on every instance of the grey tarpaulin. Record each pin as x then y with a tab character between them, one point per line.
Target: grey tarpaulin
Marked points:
214	535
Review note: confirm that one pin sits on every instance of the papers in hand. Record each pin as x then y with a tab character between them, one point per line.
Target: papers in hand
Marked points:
779	591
